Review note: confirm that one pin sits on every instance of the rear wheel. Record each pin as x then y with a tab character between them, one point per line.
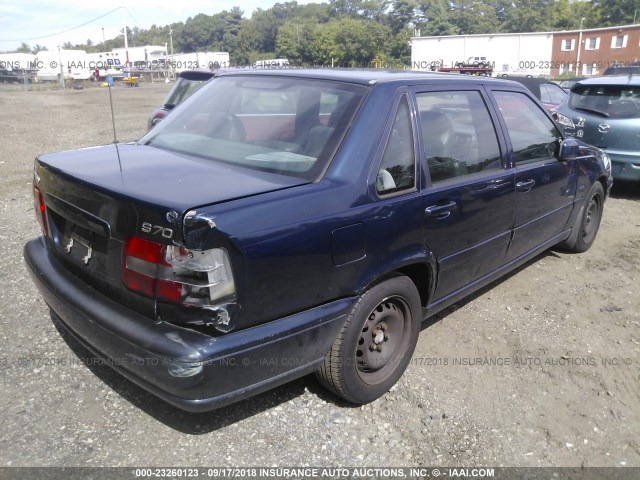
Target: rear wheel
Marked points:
587	225
376	343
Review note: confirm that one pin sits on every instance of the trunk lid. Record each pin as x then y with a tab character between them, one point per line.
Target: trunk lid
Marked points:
95	201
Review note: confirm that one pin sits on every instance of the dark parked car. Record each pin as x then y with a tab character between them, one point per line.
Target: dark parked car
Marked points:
549	93
632	68
567	83
605	112
187	82
282	223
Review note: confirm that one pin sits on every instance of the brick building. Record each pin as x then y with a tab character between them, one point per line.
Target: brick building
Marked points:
548	54
594	50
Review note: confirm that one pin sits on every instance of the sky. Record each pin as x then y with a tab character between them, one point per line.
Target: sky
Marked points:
42	21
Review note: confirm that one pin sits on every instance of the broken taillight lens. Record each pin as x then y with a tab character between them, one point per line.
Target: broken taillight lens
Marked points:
40	208
199	278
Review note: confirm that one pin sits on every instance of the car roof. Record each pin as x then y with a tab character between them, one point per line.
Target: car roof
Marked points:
527	81
612	80
364	76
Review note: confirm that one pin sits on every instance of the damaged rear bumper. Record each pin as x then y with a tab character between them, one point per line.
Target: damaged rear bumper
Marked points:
188	369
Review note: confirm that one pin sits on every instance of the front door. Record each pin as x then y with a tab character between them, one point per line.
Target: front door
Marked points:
469	201
545	186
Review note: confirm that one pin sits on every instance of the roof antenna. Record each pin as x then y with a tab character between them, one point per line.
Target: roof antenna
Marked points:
113	122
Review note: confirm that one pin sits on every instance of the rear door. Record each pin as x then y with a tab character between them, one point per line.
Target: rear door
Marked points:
469	198
545	186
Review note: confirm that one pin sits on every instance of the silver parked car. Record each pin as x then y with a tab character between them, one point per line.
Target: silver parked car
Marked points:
605	112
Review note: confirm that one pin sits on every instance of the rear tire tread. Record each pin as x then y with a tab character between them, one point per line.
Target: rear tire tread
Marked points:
331	373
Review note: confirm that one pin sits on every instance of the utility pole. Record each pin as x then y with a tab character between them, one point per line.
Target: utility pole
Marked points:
173	65
126	41
61	67
579	47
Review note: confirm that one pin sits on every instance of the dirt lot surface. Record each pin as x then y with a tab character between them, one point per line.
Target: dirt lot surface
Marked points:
539	369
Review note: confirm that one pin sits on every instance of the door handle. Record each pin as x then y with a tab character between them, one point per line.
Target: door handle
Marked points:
526	186
440	211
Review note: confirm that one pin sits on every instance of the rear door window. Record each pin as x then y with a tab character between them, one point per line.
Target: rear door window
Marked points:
458	135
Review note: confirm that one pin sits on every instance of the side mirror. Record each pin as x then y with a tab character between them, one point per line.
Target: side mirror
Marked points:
569	150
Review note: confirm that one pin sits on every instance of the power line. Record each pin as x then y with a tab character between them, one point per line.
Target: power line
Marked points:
132	17
60	33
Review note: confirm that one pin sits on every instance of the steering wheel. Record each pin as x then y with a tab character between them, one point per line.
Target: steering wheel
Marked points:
226	126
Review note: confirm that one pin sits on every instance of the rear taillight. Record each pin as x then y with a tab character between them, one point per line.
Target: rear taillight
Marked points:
142	262
198	278
565	121
40	208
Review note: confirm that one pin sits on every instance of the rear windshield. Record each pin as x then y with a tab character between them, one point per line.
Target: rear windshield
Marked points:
289	126
611	101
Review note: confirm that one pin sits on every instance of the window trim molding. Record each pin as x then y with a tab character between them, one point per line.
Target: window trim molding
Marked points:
596	45
402	94
614	41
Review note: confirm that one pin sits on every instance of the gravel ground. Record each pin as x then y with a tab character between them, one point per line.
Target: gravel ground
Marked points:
540	369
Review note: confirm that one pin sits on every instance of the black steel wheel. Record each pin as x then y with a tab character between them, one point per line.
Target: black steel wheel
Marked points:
376	343
587	225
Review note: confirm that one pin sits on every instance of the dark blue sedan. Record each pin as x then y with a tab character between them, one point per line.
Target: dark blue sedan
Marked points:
283	223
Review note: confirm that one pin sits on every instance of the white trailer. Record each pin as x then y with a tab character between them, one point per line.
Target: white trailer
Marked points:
105	64
198	60
507	53
70	64
146	57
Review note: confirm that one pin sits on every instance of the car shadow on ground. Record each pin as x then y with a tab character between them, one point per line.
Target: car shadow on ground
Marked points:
203	423
626	190
317	389
461	303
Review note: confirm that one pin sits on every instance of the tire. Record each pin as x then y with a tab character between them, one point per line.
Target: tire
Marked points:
376	342
586	227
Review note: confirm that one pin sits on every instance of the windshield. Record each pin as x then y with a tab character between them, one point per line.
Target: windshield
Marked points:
611	101
289	126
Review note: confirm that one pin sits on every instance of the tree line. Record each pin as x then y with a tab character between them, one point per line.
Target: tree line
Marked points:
362	32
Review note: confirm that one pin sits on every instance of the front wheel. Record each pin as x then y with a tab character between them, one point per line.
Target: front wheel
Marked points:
587	225
376	342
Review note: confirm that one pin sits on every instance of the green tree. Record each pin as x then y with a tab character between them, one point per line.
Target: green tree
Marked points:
325	46
402	15
617	12
243	47
473	17
24	48
435	18
294	41
400	49
531	16
351	41
202	32
38	48
566	15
